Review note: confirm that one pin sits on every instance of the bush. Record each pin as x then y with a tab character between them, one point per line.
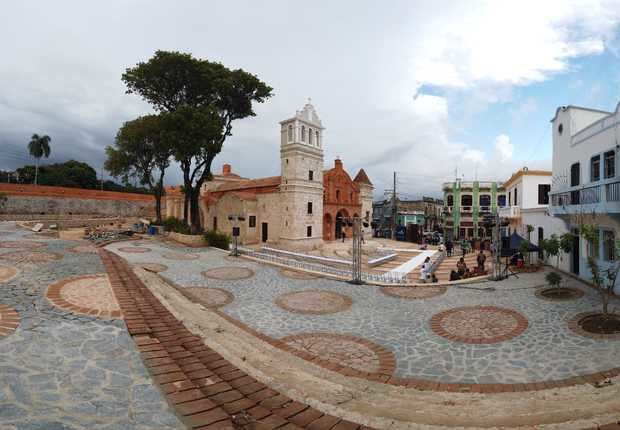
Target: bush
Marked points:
553	279
218	240
176	225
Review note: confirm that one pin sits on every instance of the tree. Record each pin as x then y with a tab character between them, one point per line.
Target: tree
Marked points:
38	147
604	279
200	100
140	151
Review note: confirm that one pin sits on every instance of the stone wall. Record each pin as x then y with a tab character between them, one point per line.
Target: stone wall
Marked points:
24	201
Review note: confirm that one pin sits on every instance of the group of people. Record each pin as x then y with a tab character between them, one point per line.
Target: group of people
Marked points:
466	246
463	272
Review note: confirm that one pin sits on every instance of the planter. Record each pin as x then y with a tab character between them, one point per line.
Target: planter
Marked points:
188	239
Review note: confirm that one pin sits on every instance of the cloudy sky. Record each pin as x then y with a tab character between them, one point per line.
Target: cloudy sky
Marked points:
417	87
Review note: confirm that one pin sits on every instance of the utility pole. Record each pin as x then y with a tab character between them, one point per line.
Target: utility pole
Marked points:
394	210
102	177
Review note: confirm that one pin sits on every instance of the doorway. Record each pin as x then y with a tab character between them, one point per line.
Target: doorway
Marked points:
575	252
265	232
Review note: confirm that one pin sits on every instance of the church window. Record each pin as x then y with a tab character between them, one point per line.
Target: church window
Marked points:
252	221
214	223
309	208
290	133
310	175
317	139
337	195
310	136
309	231
351	197
303	133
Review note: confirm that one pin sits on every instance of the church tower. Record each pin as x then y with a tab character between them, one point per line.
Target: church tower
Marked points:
301	187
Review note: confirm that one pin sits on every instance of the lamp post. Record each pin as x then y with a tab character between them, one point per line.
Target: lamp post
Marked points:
235	219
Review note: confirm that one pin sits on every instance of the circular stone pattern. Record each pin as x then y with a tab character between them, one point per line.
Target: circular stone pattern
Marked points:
294	274
9	320
21	244
559	294
346	351
31	256
228	273
478	324
414	293
314	302
582	324
7	273
88	295
84	249
134	250
179	256
153	267
210	297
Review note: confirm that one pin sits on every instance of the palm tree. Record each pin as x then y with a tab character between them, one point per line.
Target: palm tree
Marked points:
38	147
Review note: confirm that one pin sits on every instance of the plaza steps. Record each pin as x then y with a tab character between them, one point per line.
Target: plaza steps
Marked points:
449	263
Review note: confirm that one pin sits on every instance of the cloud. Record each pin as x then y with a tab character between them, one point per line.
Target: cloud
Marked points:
503	148
398	88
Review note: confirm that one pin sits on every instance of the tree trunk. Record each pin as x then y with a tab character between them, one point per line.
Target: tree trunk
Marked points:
159	192
36	172
195	211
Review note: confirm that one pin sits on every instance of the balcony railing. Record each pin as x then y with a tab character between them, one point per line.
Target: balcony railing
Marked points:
587	196
510	212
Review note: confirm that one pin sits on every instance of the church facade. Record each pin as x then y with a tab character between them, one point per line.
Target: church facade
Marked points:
299	209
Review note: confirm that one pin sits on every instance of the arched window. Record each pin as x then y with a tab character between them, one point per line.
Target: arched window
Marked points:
337	195
450	200
317	138
303	133
310	136
290	133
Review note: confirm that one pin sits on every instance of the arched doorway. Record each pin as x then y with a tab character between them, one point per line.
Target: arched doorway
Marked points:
341	223
328	227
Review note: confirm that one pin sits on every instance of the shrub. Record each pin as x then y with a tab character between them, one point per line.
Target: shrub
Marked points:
553	279
218	240
176	225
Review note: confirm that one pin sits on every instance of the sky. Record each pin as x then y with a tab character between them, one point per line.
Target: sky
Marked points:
427	89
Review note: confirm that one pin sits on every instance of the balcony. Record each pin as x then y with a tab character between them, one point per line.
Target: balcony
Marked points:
603	198
510	212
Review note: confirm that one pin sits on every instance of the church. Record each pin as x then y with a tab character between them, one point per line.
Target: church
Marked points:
300	209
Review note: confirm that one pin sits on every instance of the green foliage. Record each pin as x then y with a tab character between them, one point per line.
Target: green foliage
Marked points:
69	174
217	240
566	243
176	225
553	279
39	146
551	246
198	100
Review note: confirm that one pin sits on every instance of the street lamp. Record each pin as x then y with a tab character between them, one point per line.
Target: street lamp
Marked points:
235	219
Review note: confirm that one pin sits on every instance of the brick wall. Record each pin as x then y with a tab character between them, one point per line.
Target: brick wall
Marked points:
26	200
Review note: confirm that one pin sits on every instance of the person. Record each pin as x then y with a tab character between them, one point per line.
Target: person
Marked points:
480	259
344	235
461	267
464	247
363	242
426	267
467	274
449	246
434	278
454	276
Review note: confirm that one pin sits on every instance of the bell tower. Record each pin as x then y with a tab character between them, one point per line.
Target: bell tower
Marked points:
301	187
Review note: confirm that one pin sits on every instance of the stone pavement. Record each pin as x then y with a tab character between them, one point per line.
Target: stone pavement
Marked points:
457	338
61	369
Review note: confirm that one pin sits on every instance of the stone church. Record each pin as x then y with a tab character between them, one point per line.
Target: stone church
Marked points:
299	209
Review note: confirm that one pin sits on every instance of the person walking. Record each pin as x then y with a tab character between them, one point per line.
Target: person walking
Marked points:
449	246
480	259
344	235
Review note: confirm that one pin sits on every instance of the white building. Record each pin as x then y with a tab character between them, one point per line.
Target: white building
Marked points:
527	203
585	186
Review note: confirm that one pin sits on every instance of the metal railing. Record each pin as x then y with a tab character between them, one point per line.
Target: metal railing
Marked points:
612	192
590	195
388	277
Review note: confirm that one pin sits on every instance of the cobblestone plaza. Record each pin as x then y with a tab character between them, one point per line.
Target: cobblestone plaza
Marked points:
476	334
76	353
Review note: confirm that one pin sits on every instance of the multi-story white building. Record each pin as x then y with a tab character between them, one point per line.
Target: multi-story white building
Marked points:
586	186
527	193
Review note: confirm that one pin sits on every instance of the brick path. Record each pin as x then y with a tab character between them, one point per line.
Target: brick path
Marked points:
205	389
